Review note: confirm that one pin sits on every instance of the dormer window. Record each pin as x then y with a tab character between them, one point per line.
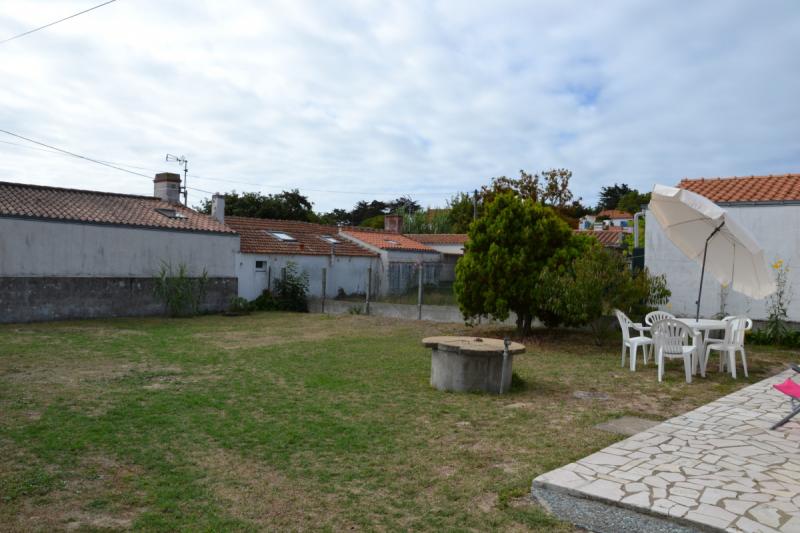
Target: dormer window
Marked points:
171	213
330	240
281	236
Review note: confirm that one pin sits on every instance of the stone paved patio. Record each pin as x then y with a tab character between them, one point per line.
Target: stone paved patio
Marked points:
718	467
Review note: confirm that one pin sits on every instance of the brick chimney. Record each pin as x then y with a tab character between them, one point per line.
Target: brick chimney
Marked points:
218	207
393	223
167	187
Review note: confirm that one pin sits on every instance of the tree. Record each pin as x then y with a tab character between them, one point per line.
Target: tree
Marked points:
611	195
335	217
288	205
633	201
508	247
461	212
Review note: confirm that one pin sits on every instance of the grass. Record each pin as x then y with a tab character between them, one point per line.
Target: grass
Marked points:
294	422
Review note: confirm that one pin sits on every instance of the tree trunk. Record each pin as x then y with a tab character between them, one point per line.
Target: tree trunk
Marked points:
527	327
520	323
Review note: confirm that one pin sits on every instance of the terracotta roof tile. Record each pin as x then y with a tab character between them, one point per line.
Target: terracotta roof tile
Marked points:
257	239
54	203
610	239
438	238
615	214
388	241
781	188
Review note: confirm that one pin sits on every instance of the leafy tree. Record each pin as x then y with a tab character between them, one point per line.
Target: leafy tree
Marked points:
288	205
551	188
335	217
375	222
611	195
508	247
461	212
633	201
402	205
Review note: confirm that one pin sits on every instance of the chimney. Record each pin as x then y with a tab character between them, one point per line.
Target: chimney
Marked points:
218	207
167	187
393	223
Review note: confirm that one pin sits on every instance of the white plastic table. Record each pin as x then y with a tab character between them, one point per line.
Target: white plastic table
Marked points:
699	328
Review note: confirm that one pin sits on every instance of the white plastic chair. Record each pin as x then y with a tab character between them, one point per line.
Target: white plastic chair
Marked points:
671	338
654	316
733	342
631	344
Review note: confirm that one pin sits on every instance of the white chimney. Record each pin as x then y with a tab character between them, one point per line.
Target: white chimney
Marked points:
167	187
218	207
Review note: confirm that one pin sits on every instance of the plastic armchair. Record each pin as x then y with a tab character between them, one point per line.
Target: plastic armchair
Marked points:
654	316
631	344
671	341
733	342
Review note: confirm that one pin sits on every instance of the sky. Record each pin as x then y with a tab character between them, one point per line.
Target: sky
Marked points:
356	100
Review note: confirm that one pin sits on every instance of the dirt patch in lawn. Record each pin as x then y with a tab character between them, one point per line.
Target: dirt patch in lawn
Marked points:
258	493
98	494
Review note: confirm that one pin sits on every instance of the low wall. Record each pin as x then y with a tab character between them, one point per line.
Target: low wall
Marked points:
434	313
34	299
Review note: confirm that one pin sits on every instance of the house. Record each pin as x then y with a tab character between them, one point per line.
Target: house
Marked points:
267	246
450	245
399	256
69	253
769	207
608	218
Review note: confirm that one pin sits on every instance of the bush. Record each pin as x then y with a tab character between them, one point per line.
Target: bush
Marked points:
599	282
290	292
238	306
181	294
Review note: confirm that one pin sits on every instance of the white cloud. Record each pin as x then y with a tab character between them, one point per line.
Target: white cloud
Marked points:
410	97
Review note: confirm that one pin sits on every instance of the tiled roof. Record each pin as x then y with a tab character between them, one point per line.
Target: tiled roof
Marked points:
54	203
438	238
783	188
256	238
610	239
614	214
388	241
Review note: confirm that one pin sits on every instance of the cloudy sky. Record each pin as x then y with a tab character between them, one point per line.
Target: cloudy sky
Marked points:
352	100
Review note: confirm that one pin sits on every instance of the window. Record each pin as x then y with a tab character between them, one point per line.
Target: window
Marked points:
170	213
261	266
281	236
329	239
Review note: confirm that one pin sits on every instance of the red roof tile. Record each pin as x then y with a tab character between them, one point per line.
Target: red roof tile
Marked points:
438	238
388	241
615	214
257	239
610	239
21	200
782	188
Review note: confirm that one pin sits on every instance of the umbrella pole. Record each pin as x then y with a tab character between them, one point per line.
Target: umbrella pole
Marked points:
703	269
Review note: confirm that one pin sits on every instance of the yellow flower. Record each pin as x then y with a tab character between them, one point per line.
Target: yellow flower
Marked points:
777	264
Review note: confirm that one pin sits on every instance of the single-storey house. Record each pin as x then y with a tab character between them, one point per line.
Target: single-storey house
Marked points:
606	219
450	245
399	255
69	253
769	207
330	260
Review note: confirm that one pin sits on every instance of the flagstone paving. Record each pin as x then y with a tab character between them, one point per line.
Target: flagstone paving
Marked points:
718	467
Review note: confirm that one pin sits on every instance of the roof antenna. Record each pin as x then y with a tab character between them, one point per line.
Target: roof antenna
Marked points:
184	188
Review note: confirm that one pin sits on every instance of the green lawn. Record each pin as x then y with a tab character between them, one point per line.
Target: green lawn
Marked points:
296	422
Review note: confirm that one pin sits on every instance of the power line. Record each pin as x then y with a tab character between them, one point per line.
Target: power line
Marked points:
74	154
56	22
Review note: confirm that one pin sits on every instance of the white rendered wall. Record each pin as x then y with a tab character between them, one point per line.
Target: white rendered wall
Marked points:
348	273
775	227
31	248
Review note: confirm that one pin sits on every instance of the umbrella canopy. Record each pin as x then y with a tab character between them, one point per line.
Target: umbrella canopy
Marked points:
731	254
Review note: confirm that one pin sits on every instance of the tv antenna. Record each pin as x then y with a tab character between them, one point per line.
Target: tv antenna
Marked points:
182	160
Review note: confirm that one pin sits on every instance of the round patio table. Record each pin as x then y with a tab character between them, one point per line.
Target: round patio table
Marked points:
699	328
465	364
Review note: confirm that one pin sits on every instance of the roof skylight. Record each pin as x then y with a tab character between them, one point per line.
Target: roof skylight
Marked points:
329	239
281	236
170	213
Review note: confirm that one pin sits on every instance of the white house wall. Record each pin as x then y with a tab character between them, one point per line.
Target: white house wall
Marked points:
345	272
775	228
30	248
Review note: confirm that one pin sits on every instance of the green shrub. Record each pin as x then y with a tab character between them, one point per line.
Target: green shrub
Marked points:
239	306
181	294
289	293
